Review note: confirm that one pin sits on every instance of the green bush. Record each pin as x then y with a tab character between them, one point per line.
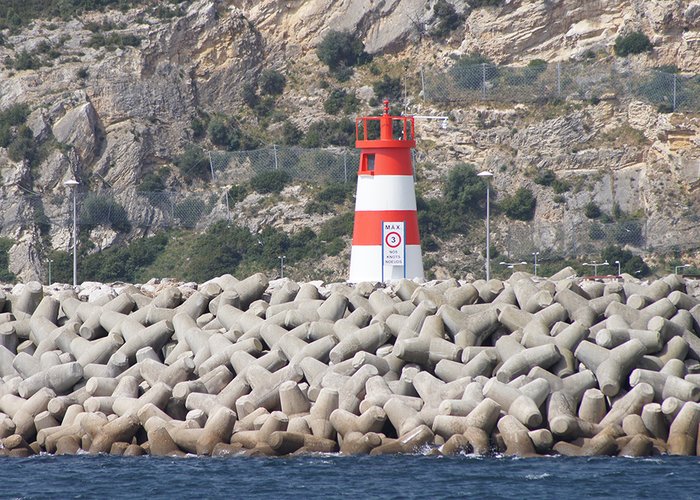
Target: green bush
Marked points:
193	163
484	3
465	188
291	134
189	211
237	193
249	95
5	275
330	132
592	210
101	210
340	49
272	181
23	61
629	263
519	206
340	100
634	43
545	177
560	186
112	41
447	18
272	82
388	88
469	73
118	263
82	73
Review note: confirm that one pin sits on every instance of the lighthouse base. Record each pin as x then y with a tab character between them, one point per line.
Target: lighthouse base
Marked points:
366	264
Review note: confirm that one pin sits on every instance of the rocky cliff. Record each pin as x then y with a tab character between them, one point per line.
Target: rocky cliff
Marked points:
109	110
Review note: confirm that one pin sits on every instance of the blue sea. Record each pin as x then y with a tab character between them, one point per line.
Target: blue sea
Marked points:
324	477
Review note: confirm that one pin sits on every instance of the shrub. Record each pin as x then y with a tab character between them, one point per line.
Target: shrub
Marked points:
272	82
465	188
340	100
272	181
330	133
5	275
189	211
249	95
291	134
468	72
340	49
560	186
82	73
335	193
237	193
484	3
24	60
193	163
545	177
592	210
447	18
634	43
123	263
519	206
153	181
101	210
388	88
629	263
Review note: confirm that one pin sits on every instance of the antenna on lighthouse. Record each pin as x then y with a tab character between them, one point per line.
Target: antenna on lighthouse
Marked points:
386	240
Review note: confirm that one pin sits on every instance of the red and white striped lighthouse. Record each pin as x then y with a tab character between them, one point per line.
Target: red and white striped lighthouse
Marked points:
385	240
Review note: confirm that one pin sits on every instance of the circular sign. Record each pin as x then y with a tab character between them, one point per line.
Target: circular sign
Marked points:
392	239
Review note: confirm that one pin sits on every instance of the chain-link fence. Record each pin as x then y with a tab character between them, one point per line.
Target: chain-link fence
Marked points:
570	239
468	82
318	166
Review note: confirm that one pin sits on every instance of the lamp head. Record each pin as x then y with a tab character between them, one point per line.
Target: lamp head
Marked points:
71	183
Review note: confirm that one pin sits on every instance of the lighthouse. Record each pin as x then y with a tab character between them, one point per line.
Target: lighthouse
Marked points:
385	240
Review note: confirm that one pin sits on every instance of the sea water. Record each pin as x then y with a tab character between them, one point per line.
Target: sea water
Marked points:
332	476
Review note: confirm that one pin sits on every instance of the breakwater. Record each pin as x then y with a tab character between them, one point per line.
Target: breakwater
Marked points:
522	367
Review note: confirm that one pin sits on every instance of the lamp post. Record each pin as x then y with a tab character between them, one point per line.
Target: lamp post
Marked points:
487	177
73	184
50	261
680	267
595	265
619	267
535	254
511	265
281	258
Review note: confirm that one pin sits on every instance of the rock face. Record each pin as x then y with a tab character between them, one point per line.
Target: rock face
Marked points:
108	115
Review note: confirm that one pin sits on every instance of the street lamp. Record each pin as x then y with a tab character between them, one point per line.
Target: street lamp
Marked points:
619	270
50	262
535	254
681	267
595	265
281	258
72	184
511	265
487	177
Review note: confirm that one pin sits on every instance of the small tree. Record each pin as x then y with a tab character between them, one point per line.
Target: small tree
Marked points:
465	188
270	182
388	87
521	205
447	18
592	210
193	163
340	49
272	82
634	43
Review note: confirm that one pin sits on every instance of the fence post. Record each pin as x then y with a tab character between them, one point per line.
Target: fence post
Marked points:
228	209
211	167
345	165
674	92
483	80
274	150
559	79
422	83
